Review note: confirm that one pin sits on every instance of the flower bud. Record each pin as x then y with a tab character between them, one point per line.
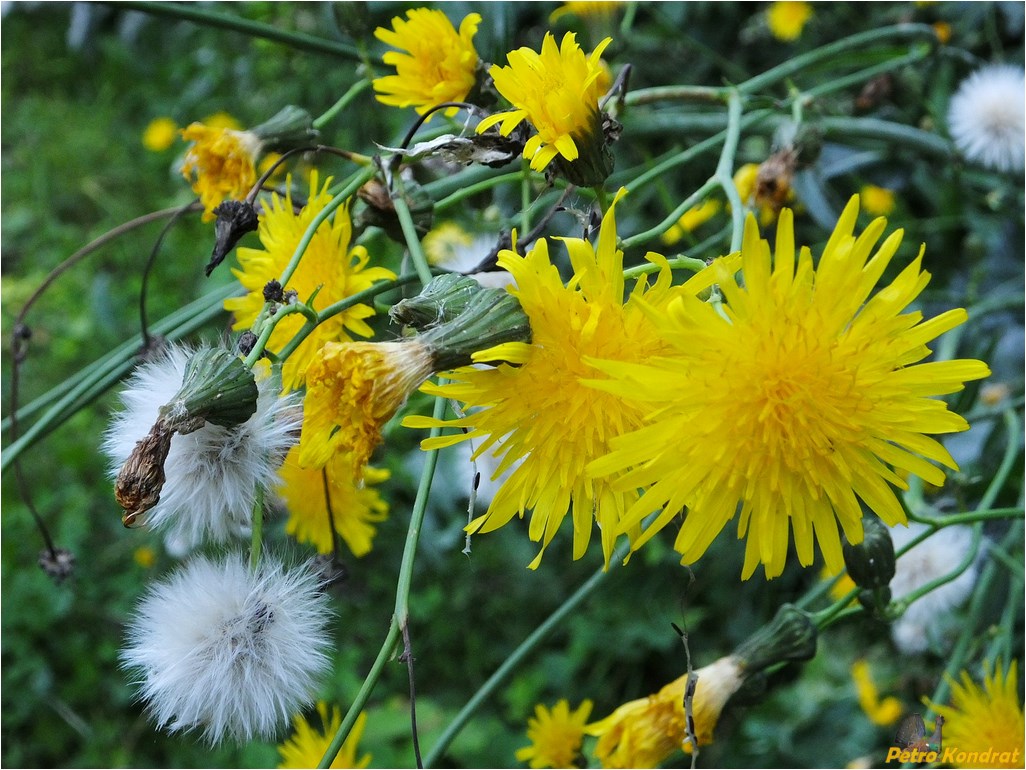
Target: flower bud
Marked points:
217	388
790	636
871	562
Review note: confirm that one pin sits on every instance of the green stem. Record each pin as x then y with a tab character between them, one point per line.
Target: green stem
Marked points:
675	94
258	529
473	189
200	15
966	562
387	648
516	657
105	372
684	263
894	134
654	232
725	167
355	90
409	229
525	195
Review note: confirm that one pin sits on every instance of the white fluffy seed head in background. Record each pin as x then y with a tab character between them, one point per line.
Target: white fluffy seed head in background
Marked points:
212	473
987	117
235	653
925	623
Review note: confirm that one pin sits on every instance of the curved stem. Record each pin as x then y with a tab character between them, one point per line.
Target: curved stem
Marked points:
409	229
725	167
329	114
517	656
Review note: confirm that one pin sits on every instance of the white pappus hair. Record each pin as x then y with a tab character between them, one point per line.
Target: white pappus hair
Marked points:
227	650
987	117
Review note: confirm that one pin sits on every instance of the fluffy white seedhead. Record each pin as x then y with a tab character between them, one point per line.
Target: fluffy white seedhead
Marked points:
926	621
212	473
233	653
987	117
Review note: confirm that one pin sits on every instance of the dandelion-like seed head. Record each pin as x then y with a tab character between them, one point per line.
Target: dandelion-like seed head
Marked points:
306	747
987	117
211	474
352	390
803	397
221	164
227	650
557	91
648	731
985	720
540	410
434	63
338	494
556	735
331	263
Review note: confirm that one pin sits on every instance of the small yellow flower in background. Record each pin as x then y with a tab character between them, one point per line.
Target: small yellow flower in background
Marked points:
330	264
439	64
542	411
876	201
993	393
648	731
352	390
842	587
220	165
145	556
586	9
306	747
222	120
339	494
746	180
691	220
557	91
943	31
987	719
803	397
787	19
159	134
880	712
555	735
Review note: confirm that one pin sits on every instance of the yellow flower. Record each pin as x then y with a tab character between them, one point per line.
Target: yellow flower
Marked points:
339	494
876	201
440	65
786	19
541	410
306	747
943	31
555	735
586	9
648	731
880	712
329	264
746	180
557	91
842	587
222	120
220	165
352	390
159	134
692	219
145	556
801	398
983	727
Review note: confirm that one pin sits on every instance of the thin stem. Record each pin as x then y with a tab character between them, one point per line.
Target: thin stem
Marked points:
143	325
258	528
473	189
525	195
724	169
409	229
200	15
654	232
407	657
355	90
894	134
517	656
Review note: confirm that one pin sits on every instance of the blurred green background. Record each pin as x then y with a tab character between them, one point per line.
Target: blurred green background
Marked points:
80	82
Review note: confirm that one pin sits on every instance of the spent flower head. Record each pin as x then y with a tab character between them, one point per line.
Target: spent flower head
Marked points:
556	735
331	266
987	117
211	474
557	91
220	164
803	397
227	649
434	63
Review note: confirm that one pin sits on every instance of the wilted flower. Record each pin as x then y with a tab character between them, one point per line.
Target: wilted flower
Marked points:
794	403
987	117
555	735
648	731
211	474
307	745
228	650
220	164
435	64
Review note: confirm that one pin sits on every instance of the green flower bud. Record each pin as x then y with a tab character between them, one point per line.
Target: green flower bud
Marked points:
871	562
290	127
217	388
790	636
444	298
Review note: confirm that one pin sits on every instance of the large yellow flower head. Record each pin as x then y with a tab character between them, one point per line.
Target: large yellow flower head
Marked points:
306	746
802	397
337	497
647	731
331	264
541	411
352	390
557	91
440	63
220	165
555	735
983	726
